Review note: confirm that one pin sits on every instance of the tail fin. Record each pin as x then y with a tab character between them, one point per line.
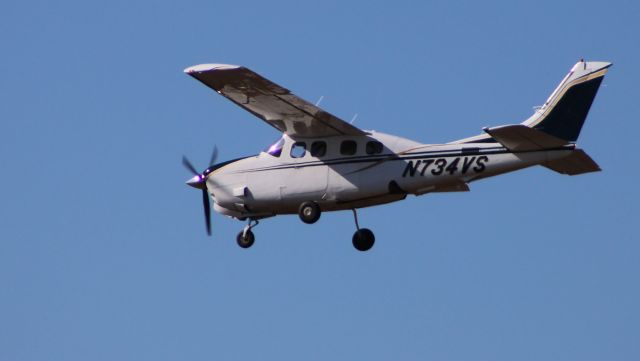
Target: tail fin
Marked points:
564	113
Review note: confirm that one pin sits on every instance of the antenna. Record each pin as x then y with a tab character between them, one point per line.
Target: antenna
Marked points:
353	119
319	100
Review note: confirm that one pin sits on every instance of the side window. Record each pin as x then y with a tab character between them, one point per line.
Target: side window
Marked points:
348	147
318	149
298	149
374	147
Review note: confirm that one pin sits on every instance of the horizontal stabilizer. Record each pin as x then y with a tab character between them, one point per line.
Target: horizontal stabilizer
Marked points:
520	138
578	162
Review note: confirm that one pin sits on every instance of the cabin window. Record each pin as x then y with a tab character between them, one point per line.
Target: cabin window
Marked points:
298	149
276	148
374	147
318	149
348	147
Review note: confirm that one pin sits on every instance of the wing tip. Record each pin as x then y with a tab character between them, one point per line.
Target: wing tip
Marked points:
209	67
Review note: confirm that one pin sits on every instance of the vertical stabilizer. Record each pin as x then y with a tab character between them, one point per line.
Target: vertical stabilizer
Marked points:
566	109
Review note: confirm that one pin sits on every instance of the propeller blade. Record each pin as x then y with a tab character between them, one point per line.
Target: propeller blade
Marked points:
207	210
214	155
189	166
199	181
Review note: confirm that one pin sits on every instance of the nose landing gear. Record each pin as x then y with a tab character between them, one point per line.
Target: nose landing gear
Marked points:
246	238
363	239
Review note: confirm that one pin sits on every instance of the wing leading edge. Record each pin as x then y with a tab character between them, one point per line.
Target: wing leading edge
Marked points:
270	102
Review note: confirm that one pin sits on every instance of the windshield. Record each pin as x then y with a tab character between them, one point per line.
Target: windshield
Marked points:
276	148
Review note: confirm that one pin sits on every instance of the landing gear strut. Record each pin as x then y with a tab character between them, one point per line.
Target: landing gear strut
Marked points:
246	238
363	239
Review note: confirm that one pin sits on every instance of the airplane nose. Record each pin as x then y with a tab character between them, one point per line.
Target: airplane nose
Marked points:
198	181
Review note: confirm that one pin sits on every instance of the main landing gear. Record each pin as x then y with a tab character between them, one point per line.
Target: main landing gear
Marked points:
246	238
363	239
309	212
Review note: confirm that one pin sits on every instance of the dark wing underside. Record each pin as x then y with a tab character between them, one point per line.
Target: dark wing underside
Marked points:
270	102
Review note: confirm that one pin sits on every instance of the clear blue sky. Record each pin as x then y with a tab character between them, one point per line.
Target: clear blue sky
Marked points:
103	254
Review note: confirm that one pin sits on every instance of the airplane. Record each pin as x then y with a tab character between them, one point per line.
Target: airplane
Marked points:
322	163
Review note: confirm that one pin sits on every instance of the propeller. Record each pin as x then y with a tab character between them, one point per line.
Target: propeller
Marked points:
199	181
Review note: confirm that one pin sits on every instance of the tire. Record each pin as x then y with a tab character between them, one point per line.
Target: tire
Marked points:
363	239
247	240
309	212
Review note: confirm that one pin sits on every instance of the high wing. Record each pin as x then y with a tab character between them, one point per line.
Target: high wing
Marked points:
270	102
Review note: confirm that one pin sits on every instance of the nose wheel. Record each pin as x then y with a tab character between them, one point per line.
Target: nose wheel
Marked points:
363	239
246	237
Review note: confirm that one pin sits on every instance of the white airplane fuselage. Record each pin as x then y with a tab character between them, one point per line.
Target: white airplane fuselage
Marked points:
382	169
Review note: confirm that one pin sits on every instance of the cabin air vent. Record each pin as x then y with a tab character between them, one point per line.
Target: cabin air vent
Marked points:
473	150
240	191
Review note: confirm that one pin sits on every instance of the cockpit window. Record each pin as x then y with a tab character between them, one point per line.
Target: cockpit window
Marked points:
276	148
298	149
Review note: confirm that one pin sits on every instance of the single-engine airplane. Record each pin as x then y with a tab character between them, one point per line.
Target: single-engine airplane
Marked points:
322	163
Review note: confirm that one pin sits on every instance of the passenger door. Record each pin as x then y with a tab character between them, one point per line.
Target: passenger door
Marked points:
306	175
